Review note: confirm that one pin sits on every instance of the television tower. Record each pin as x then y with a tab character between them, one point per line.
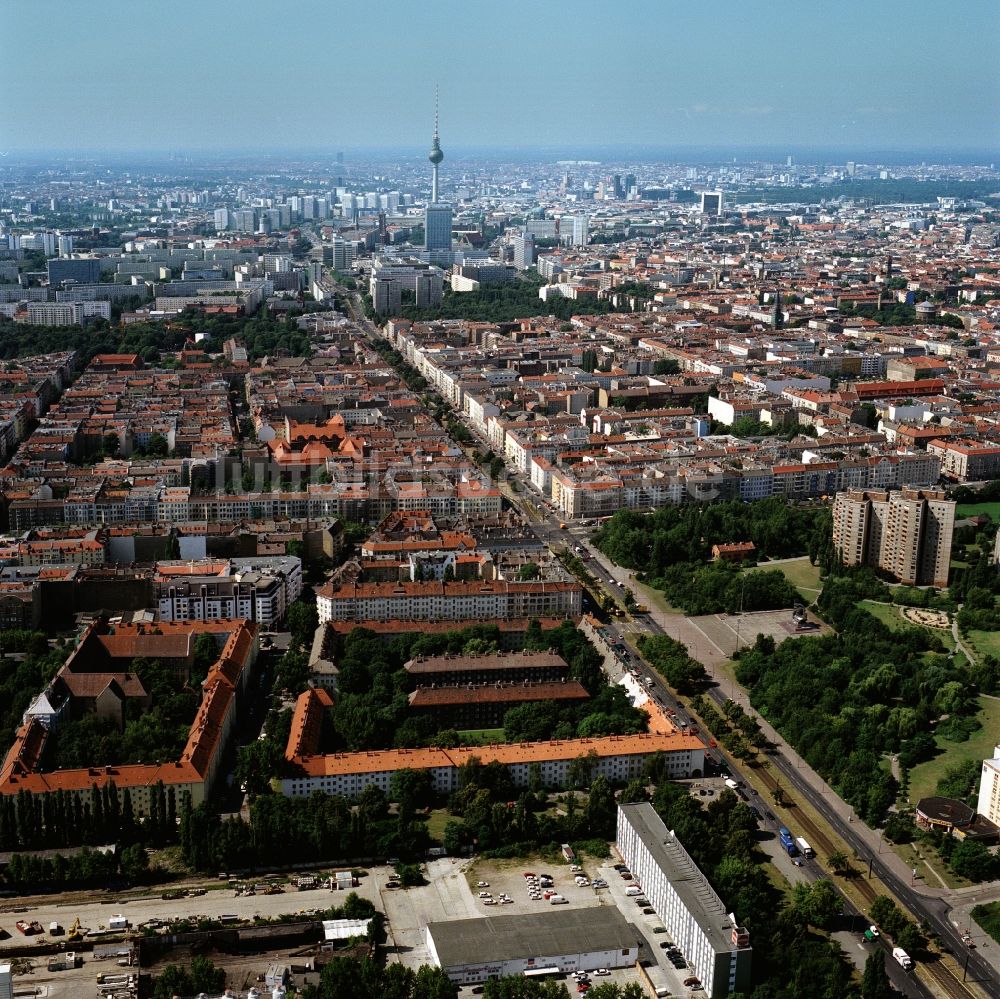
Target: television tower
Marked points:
435	155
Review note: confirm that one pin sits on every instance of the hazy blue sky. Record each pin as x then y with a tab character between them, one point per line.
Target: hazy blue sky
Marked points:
261	74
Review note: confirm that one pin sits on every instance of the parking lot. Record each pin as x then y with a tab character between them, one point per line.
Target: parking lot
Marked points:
507	877
408	910
652	944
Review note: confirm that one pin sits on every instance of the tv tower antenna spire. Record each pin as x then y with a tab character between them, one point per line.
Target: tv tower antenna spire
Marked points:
435	155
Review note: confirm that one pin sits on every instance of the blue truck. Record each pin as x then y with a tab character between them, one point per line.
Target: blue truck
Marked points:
788	842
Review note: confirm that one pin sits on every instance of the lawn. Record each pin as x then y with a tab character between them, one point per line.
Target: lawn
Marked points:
924	776
436	822
931	869
483	736
887	613
892	617
992	510
985	642
800	573
988	917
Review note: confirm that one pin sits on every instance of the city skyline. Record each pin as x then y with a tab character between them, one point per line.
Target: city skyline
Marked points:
751	76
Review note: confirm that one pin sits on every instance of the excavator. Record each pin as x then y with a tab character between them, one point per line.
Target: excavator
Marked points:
76	931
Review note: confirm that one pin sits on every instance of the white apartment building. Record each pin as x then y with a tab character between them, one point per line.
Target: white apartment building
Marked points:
619	758
989	789
448	601
716	947
259	590
55	313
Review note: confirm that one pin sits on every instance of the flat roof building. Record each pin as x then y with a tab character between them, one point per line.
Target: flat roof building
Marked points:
716	946
475	950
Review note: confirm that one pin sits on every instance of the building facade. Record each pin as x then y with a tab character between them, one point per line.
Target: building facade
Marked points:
989	789
716	947
619	758
906	532
437	227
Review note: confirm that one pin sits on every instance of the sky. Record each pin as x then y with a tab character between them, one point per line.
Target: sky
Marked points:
151	75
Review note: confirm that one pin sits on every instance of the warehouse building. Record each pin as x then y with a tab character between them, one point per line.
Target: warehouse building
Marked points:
537	943
715	945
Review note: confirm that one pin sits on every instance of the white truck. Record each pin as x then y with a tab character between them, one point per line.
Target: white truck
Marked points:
804	848
902	958
118	922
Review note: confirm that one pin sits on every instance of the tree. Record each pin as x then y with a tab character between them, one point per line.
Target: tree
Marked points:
635	790
257	764
411	789
839	861
971	860
302	620
601	811
205	976
206	652
817	903
875	982
134	863
433	983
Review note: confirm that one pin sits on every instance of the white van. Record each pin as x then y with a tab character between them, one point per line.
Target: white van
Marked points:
633	890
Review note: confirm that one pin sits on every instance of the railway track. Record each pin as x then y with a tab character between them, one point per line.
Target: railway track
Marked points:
936	974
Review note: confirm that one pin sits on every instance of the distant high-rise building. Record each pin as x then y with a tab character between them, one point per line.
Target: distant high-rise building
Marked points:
85	270
906	532
65	246
245	220
340	158
852	168
437	227
711	203
581	230
616	186
524	251
387	295
221	219
341	254
429	288
630	183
